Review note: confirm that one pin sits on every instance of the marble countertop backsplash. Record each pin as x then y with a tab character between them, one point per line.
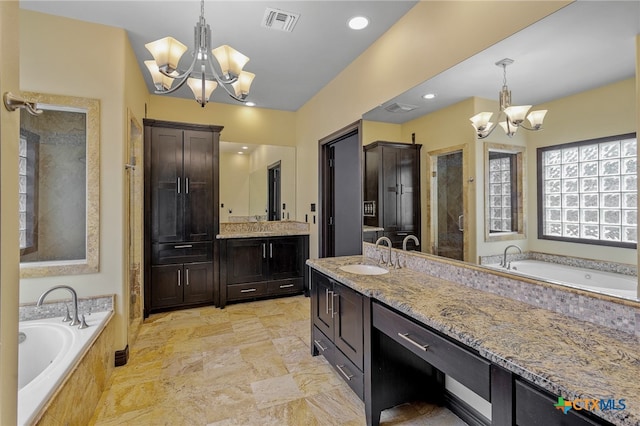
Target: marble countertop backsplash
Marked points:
262	229
567	356
55	307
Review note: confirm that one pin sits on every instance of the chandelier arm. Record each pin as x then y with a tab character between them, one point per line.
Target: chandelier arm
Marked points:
533	129
488	133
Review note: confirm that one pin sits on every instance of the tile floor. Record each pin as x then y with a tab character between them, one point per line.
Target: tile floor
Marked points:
247	364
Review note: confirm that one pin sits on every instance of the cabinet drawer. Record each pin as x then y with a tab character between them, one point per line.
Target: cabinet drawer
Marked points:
246	291
536	407
170	253
293	285
453	360
345	369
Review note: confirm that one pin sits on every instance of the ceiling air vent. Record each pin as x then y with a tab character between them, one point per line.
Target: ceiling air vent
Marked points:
277	19
396	107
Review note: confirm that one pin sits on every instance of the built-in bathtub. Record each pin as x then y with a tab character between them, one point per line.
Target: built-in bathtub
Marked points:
48	353
610	283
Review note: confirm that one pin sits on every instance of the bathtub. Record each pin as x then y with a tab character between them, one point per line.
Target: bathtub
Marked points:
47	355
610	283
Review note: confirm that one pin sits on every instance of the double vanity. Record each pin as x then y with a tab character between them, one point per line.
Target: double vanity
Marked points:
394	334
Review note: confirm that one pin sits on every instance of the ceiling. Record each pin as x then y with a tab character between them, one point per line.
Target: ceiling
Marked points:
585	45
290	67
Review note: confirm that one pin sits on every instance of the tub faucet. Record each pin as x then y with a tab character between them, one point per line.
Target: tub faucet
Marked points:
406	240
74	297
504	263
388	241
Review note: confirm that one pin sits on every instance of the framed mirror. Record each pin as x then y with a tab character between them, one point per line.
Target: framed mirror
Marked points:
59	186
504	192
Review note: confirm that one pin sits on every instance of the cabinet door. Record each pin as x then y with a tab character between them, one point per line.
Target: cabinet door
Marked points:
390	189
247	260
166	185
348	325
198	185
321	300
198	282
166	285
409	192
285	257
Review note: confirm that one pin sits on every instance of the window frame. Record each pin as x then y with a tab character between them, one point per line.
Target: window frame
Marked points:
540	193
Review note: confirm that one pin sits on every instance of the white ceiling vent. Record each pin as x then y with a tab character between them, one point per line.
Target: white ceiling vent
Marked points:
277	19
396	107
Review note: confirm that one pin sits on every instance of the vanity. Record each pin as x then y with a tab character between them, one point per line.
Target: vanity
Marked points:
262	259
394	337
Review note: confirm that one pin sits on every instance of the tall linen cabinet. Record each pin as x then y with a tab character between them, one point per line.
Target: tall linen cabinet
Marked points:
392	189
180	214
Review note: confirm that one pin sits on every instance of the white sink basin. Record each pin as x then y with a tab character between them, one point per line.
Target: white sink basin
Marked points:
364	269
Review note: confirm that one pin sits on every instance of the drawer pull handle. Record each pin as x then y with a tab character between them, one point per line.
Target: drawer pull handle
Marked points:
183	246
344	373
322	348
286	285
406	337
248	290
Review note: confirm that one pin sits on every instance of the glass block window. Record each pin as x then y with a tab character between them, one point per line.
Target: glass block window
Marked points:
588	191
28	156
501	192
22	190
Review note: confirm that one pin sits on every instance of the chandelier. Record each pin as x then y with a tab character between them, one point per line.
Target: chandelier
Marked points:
202	76
514	115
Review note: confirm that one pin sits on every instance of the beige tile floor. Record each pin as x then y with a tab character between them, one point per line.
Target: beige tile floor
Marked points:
247	364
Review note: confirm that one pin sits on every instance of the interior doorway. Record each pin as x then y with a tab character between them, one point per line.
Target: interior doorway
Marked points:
448	206
275	197
341	193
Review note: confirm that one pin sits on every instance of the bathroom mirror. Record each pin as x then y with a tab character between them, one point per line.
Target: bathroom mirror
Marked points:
257	182
504	192
602	102
59	186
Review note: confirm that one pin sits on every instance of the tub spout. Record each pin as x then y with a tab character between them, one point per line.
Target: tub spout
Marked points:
74	297
504	263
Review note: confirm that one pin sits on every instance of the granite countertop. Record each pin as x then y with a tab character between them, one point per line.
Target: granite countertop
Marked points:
259	234
262	229
568	357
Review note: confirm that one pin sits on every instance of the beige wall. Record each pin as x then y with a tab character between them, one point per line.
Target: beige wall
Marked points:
9	252
409	53
241	123
234	185
97	62
605	111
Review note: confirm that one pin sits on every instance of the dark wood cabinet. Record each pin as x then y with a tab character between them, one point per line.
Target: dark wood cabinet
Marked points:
258	267
338	328
178	284
181	214
392	181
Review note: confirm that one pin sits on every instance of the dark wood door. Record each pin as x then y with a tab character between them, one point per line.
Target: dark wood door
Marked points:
166	285
166	185
285	257
198	282
198	186
348	325
247	260
322	289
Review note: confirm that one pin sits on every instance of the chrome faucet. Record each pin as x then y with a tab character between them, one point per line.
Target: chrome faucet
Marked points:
504	263
388	241
406	240
74	297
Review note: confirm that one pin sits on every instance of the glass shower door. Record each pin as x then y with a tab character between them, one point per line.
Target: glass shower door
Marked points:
448	206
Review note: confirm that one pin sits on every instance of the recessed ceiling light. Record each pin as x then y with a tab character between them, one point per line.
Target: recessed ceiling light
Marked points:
429	96
240	152
358	22
250	103
245	147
